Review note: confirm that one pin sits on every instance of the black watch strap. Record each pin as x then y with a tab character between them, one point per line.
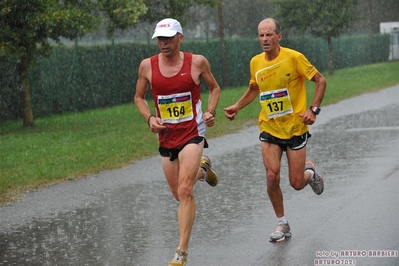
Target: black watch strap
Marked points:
213	112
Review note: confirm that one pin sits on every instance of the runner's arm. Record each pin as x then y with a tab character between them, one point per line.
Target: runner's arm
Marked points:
249	95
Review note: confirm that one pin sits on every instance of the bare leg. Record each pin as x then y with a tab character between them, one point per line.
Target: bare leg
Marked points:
296	164
272	160
182	174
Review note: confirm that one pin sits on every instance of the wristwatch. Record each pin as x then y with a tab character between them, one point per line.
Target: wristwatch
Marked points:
315	109
213	112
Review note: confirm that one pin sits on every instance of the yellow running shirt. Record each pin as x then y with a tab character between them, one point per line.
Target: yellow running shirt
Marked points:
282	92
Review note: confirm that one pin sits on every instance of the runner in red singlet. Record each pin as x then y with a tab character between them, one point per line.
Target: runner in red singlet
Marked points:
174	78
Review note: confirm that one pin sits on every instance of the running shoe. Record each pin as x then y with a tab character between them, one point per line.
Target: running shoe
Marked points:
211	177
317	182
281	231
180	258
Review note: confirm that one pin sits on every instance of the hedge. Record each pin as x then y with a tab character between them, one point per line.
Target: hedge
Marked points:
81	77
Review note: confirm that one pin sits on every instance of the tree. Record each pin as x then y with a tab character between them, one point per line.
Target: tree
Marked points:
121	14
242	18
27	27
374	12
223	43
159	9
325	19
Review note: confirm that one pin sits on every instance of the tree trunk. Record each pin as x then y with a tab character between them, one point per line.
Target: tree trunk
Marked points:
372	55
330	56
225	64
23	71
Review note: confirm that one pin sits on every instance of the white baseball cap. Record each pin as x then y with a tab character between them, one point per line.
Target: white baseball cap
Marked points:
167	27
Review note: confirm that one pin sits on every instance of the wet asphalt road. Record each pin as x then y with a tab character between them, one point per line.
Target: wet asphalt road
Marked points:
128	216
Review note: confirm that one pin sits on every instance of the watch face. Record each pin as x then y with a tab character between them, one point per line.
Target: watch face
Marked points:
315	110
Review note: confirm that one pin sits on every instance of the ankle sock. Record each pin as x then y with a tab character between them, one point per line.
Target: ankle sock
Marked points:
205	174
311	172
282	219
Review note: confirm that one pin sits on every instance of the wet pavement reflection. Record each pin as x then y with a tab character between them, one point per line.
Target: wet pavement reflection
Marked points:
129	224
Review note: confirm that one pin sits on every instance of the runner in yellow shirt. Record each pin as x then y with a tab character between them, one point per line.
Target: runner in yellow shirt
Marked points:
278	78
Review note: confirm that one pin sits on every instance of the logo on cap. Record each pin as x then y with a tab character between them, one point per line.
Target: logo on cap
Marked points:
167	28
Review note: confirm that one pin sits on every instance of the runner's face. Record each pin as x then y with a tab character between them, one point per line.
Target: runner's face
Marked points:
267	36
169	45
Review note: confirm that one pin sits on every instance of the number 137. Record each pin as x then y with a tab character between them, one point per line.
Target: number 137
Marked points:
275	106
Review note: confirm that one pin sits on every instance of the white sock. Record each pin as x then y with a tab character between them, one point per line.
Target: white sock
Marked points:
205	174
311	172
282	219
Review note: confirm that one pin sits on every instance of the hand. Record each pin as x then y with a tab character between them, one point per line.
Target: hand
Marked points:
230	112
308	117
209	119
155	124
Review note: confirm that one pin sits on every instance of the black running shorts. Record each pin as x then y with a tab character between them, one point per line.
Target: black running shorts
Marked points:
173	153
294	143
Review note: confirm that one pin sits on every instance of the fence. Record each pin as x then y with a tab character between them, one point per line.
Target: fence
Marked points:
80	77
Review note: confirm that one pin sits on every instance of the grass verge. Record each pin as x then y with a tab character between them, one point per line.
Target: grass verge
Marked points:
70	146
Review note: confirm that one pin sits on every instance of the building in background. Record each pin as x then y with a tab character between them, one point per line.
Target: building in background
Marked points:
392	28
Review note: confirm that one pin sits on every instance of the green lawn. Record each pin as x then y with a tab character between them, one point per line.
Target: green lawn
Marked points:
66	147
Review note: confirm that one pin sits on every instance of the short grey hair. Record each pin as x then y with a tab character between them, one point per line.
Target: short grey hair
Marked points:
278	28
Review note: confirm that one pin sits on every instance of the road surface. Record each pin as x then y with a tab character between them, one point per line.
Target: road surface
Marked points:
128	216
